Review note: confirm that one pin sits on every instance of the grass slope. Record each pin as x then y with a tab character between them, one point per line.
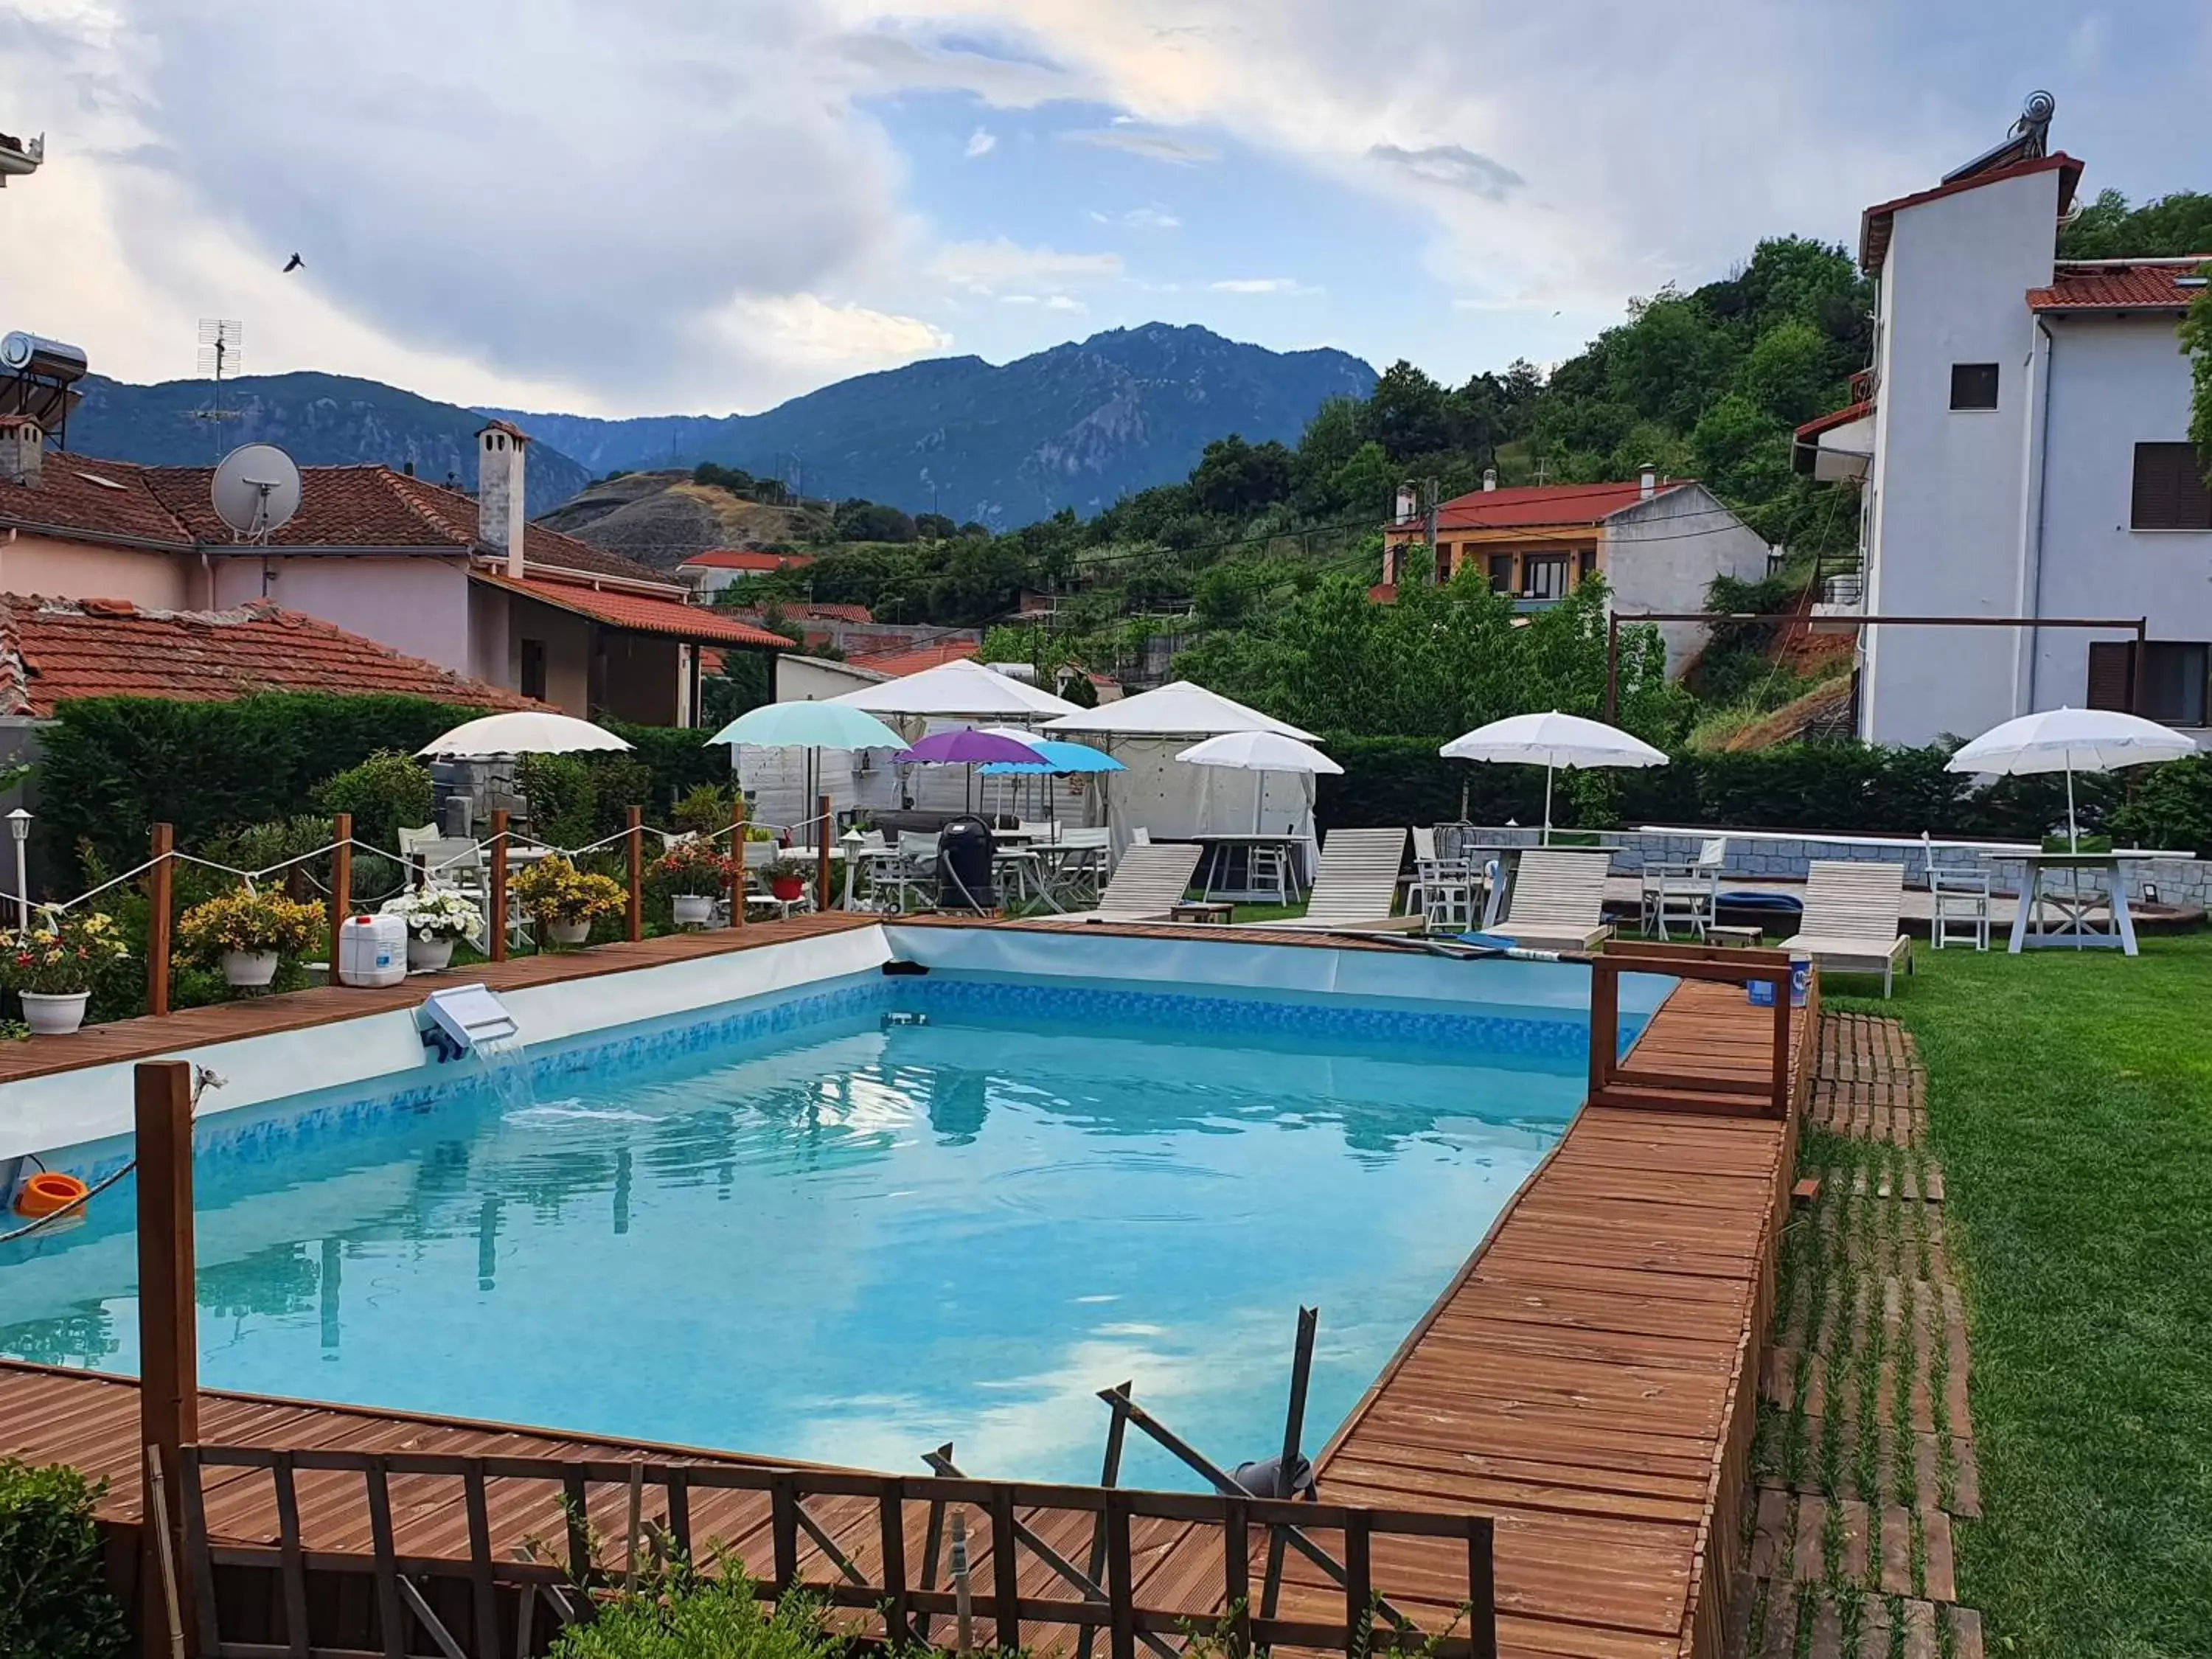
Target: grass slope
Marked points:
2071	1101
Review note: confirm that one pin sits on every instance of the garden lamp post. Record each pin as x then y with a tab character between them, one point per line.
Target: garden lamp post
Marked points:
19	826
854	841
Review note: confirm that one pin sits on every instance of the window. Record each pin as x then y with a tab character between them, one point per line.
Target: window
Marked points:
2175	677
2170	492
1585	565
1501	573
1544	576
533	669
1443	561
1973	385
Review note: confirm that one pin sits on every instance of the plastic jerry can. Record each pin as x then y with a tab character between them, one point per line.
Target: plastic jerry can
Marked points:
373	950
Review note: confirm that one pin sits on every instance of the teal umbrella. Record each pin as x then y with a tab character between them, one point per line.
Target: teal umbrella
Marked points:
812	727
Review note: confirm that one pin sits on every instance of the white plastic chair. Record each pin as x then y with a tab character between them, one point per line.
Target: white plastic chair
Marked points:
1960	912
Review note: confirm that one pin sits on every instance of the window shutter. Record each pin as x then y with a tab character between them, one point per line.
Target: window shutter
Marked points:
2170	491
2112	674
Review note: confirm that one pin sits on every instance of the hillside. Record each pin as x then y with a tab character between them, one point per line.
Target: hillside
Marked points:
1078	426
661	519
320	420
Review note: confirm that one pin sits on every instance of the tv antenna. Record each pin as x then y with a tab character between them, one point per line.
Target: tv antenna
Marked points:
256	491
222	347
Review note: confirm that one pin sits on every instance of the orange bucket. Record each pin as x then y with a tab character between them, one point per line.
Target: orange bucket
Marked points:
43	1194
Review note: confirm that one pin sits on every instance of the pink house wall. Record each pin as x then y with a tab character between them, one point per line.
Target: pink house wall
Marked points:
419	605
87	570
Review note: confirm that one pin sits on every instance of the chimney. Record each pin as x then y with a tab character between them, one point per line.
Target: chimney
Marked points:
22	449
1489	479
1650	483
1406	503
500	514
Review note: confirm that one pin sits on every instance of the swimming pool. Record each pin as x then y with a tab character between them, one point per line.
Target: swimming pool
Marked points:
790	1226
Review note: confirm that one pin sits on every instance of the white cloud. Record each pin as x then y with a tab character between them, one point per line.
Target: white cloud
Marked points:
1261	285
1452	164
991	267
1139	218
1153	145
980	142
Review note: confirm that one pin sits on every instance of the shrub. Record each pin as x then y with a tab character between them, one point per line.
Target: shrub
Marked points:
691	1616
553	889
704	808
53	1600
693	869
383	792
2172	807
243	920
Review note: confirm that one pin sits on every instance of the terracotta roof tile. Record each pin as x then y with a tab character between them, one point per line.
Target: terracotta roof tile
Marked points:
2144	285
103	497
746	558
639	612
899	663
1530	505
1875	223
1829	423
53	650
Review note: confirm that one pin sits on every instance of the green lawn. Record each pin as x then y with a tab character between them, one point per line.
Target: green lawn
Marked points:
2071	1097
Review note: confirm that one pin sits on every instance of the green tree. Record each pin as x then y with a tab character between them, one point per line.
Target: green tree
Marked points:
2167	227
1235	476
1406	413
2196	341
857	520
1742	451
1787	372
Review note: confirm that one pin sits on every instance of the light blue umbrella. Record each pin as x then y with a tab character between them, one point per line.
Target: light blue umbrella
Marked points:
1057	757
808	725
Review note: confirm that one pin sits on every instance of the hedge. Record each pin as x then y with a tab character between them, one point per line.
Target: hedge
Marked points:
54	1601
1848	788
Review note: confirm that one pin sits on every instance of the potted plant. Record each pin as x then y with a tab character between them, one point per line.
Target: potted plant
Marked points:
693	873
438	918
787	879
564	902
249	934
52	964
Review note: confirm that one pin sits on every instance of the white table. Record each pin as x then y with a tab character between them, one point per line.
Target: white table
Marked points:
2073	922
1216	868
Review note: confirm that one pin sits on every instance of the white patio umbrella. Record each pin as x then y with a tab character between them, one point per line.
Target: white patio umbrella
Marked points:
961	690
1262	752
1552	741
2071	740
524	732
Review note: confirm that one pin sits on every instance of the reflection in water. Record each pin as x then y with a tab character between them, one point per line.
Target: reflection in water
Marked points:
846	1248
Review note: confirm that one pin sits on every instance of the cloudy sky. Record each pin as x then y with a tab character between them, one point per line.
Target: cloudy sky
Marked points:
712	204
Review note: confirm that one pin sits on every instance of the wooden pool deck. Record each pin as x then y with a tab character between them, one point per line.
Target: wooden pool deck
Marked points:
1587	1379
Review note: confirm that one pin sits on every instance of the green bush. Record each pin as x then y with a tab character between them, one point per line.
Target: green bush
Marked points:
113	767
384	792
696	1617
53	1601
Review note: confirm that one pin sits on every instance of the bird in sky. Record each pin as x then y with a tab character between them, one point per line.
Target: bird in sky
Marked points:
296	262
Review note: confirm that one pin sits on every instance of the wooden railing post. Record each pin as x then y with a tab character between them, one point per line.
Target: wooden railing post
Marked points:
636	843
341	884
737	853
168	1344
160	884
1781	994
1605	1024
822	823
497	920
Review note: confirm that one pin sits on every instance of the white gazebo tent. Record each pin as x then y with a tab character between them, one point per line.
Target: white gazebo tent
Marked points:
1169	798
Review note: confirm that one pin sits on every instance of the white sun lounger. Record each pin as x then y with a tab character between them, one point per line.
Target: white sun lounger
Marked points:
1151	878
1851	919
1558	901
1358	880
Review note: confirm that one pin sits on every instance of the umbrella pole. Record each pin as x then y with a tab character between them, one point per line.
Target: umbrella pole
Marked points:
2073	836
1547	841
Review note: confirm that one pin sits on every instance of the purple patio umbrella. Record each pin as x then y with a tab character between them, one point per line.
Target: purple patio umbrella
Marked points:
969	749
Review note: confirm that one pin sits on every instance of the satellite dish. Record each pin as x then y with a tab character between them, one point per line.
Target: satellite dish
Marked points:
256	490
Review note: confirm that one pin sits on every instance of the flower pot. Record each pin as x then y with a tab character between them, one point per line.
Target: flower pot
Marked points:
567	932
249	970
788	888
694	910
429	955
54	1014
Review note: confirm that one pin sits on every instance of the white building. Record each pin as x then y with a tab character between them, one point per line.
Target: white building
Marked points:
2022	438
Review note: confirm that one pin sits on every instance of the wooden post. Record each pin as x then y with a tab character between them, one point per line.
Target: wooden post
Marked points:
168	1345
498	917
160	883
636	874
1780	1098
341	884
1605	1024
821	824
738	852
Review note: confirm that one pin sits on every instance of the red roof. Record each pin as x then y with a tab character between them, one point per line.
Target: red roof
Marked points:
364	507
52	651
1874	223
1843	417
1530	505
845	613
2136	285
746	558
913	660
639	612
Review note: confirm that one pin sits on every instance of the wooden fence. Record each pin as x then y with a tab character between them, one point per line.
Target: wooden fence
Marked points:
1762	1088
845	1538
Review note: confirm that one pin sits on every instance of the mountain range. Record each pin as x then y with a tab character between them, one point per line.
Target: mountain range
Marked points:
1076	426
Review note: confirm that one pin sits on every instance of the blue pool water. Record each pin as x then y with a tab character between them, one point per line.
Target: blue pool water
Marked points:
817	1237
